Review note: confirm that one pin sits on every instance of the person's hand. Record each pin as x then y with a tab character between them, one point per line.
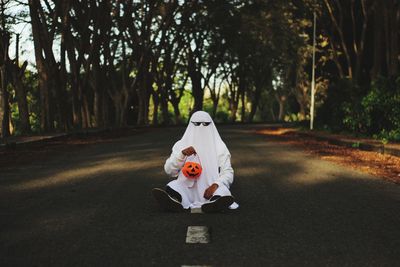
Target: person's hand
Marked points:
189	151
210	191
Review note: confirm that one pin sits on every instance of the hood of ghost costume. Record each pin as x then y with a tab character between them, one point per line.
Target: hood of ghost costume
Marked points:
207	143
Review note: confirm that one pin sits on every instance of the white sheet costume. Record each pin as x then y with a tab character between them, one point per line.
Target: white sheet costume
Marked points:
214	158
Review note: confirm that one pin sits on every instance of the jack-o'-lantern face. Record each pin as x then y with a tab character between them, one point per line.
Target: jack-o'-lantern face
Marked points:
192	170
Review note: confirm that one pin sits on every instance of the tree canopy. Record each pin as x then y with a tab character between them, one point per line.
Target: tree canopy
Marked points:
101	63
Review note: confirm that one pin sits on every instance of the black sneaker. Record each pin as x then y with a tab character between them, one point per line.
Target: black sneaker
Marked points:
166	202
218	205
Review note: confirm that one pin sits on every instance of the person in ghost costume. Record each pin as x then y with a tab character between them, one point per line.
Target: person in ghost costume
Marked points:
201	142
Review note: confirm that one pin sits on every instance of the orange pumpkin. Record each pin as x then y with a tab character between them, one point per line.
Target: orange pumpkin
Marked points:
192	170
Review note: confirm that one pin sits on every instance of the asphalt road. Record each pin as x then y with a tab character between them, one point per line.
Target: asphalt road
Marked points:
92	206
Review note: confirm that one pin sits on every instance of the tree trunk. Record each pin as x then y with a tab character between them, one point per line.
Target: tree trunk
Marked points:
4	106
17	75
142	90
46	70
215	95
394	38
378	42
75	82
105	110
195	77
177	112
86	113
97	111
281	101
254	102
124	106
143	97
76	99
164	98
158	96
156	102
243	107
141	102
117	100
336	58
120	100
149	92
197	91
233	109
175	99
233	102
273	116
359	51
164	109
214	108
96	83
339	30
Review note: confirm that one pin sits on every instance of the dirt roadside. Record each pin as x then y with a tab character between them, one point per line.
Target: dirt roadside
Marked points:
372	162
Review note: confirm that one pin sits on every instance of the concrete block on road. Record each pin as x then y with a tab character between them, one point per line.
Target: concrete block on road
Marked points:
196	210
197	235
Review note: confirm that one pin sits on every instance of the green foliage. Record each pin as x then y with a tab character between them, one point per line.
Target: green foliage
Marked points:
262	49
386	136
382	107
186	105
222	113
15	119
355	145
296	117
353	119
222	116
377	113
342	109
337	107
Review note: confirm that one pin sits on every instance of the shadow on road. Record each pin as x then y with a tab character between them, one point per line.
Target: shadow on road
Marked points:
93	206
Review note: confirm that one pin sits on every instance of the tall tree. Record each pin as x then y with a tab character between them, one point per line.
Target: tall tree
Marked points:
48	69
350	21
4	95
17	74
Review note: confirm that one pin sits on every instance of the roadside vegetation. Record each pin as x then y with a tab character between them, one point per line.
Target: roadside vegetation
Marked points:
102	64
